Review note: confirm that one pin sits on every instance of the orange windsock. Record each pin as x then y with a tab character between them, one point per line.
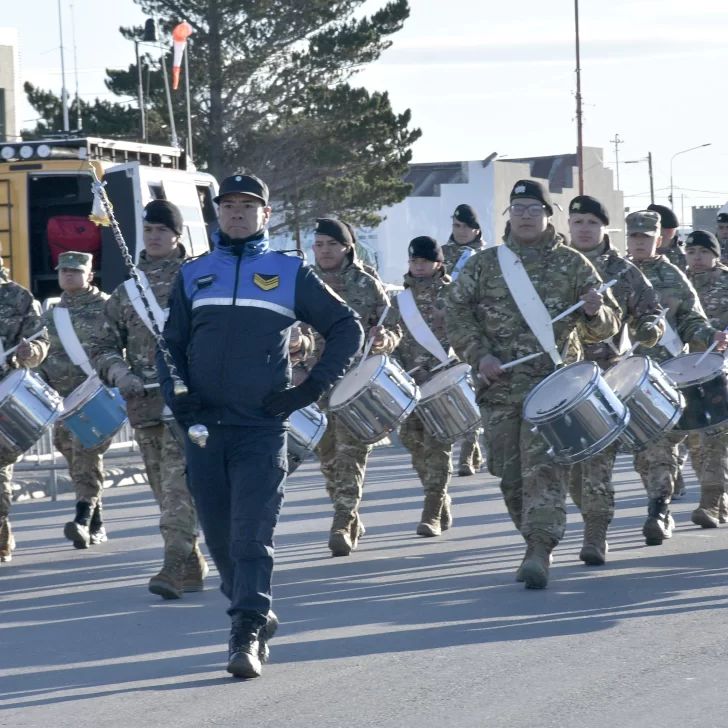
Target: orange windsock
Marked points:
180	35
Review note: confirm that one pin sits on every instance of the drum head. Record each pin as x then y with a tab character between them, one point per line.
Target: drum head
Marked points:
560	389
355	380
10	383
625	376
444	380
683	372
81	394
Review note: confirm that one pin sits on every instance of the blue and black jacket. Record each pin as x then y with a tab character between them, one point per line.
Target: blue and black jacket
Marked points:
228	330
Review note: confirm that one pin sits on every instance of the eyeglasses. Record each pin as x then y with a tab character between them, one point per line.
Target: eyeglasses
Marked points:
533	210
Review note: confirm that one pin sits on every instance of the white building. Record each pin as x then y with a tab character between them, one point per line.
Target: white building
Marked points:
10	87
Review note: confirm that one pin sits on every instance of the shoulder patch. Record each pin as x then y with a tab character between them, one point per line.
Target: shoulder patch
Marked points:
205	281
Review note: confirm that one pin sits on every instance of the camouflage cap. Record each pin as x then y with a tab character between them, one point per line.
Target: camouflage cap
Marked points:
643	221
76	260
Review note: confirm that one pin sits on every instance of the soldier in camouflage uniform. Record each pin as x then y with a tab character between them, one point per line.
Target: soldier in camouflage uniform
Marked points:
19	319
431	459
85	304
343	456
486	328
670	246
658	464
123	350
709	276
466	238
590	482
721	232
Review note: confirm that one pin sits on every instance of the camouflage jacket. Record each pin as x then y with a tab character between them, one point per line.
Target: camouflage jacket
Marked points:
712	290
427	293
635	295
684	312
20	318
453	251
675	253
85	310
368	298
482	317
121	336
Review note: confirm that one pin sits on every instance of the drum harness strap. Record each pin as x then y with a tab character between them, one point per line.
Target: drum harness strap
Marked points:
69	339
142	310
418	327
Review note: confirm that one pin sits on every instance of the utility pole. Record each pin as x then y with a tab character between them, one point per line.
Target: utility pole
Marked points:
75	68
579	136
64	92
617	141
652	179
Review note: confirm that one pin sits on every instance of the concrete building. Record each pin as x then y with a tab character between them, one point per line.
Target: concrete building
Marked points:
704	217
10	87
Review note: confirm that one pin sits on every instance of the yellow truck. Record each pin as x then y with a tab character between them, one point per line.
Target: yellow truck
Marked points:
46	198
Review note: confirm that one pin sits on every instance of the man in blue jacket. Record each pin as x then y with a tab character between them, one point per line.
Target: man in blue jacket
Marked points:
230	314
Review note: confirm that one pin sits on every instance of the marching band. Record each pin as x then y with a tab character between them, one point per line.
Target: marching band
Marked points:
236	366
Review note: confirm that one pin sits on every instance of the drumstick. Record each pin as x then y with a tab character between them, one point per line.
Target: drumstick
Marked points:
35	336
516	362
634	346
152	386
709	351
577	306
370	343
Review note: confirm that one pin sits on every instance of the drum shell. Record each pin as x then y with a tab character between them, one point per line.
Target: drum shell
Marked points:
452	412
28	408
97	418
306	428
377	409
579	429
655	405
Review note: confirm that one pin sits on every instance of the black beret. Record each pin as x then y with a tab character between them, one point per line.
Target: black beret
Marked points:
722	217
427	248
334	229
585	204
467	215
668	219
529	188
244	184
705	240
163	212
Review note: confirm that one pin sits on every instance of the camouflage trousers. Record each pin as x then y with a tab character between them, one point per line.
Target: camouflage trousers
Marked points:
6	484
590	483
533	485
658	466
431	459
470	450
343	464
709	456
164	461
86	467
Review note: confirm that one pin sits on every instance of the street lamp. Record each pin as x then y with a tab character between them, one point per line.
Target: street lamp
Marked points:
647	159
150	36
677	154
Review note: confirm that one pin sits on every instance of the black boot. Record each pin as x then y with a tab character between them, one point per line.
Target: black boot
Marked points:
96	531
659	523
266	633
77	530
244	653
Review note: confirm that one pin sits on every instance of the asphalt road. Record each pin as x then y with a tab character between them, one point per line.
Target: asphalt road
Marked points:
406	632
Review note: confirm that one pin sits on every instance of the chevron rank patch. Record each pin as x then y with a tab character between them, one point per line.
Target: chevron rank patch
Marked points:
266	282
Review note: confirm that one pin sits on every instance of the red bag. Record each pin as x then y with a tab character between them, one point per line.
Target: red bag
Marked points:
73	232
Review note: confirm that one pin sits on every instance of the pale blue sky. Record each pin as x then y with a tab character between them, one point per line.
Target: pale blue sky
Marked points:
483	76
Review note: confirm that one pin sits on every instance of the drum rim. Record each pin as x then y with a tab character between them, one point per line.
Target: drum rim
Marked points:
647	365
599	446
538	419
75	409
669	427
377	372
456	383
701	380
24	374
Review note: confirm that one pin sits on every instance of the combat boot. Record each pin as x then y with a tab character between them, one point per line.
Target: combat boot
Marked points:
77	530
659	523
340	538
534	571
7	540
431	514
465	470
244	648
196	569
446	515
96	530
707	514
595	548
265	635
723	509
357	531
169	582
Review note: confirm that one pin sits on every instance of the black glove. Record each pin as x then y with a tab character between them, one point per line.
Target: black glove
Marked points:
283	404
185	407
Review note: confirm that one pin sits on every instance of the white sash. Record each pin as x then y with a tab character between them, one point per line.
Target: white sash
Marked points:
671	340
160	316
69	338
464	258
623	345
529	303
418	327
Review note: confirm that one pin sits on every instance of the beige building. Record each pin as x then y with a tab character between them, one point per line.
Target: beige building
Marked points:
11	92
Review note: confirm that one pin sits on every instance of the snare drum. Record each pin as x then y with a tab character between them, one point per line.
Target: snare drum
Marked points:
93	413
372	400
307	427
705	388
447	405
28	407
654	403
576	412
